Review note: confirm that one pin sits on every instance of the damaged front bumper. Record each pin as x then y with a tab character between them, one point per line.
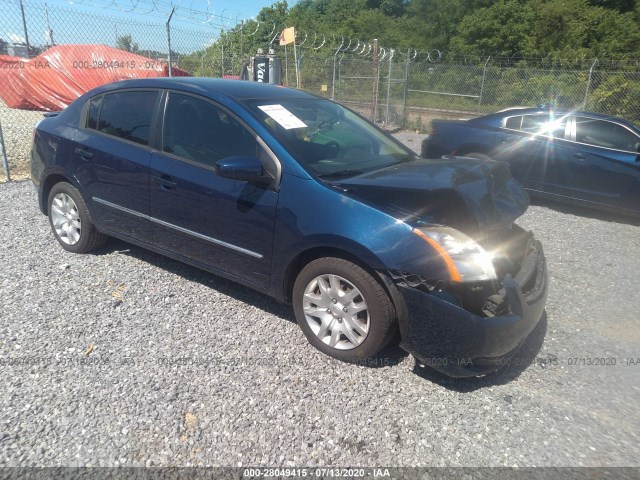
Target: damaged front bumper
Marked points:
460	343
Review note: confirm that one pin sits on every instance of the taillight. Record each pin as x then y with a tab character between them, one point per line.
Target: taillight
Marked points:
35	127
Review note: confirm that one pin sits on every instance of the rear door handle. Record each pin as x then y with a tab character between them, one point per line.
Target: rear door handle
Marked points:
579	156
87	155
165	181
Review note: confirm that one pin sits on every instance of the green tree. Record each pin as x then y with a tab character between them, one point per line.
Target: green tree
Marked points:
504	28
125	42
572	28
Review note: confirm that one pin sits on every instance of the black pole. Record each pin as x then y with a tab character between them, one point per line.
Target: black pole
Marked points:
169	41
26	35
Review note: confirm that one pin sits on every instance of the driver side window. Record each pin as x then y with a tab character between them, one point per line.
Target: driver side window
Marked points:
602	133
197	130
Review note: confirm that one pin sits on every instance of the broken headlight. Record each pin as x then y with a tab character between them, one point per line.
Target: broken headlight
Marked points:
466	261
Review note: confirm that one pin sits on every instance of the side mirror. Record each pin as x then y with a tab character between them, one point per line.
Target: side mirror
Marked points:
248	169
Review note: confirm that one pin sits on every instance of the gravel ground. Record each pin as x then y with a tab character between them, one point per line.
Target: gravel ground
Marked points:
125	357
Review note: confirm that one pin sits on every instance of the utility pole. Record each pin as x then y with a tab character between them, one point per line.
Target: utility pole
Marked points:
169	40
24	25
49	31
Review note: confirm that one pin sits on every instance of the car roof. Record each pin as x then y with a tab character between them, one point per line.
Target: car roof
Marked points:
237	89
509	112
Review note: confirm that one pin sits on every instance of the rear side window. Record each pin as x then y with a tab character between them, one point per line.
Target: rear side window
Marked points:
125	115
539	124
534	123
513	123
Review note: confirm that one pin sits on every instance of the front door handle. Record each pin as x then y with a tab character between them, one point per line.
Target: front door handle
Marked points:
165	182
87	155
579	156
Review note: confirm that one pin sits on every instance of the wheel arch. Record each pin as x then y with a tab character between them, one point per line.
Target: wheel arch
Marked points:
306	256
47	185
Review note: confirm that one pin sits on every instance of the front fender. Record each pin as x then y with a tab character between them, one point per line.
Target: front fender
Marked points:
311	214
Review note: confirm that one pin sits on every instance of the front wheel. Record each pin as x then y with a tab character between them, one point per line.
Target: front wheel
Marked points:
70	220
342	310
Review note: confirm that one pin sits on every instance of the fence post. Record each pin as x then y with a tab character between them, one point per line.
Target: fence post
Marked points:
26	34
586	92
374	80
5	162
484	76
333	82
169	40
339	75
406	89
386	115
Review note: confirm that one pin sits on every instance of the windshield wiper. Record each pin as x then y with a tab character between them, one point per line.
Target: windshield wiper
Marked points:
342	173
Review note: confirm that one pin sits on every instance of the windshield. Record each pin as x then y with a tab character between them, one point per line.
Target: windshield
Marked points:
327	138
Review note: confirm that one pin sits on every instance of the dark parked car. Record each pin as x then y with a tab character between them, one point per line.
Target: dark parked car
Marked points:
578	157
298	197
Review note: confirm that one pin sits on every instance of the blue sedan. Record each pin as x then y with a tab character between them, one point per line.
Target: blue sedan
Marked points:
297	197
577	157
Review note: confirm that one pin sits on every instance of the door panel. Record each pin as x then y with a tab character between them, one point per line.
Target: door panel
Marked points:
224	223
609	172
537	153
112	159
115	175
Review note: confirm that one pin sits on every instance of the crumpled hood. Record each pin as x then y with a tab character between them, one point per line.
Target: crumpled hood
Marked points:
431	191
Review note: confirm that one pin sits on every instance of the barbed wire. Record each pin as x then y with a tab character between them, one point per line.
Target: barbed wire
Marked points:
222	25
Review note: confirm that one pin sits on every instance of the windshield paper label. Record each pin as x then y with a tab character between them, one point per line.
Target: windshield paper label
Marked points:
283	116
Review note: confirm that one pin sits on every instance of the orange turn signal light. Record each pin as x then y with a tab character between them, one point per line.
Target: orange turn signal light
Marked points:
446	258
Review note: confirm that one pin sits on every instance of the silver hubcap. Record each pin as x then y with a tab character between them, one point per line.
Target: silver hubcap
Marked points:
65	218
336	311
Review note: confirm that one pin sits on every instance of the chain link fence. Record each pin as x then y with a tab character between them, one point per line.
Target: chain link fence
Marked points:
395	89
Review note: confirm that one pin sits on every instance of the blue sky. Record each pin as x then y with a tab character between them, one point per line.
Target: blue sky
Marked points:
230	9
197	22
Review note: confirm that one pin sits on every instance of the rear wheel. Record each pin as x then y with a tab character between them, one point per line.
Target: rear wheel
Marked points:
70	220
342	310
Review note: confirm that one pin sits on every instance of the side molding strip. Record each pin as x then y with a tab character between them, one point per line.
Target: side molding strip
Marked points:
179	229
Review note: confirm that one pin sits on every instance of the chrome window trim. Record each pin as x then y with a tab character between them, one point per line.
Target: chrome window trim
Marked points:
179	229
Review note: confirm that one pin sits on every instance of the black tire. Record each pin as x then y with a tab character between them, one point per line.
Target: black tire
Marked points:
381	314
477	156
90	238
